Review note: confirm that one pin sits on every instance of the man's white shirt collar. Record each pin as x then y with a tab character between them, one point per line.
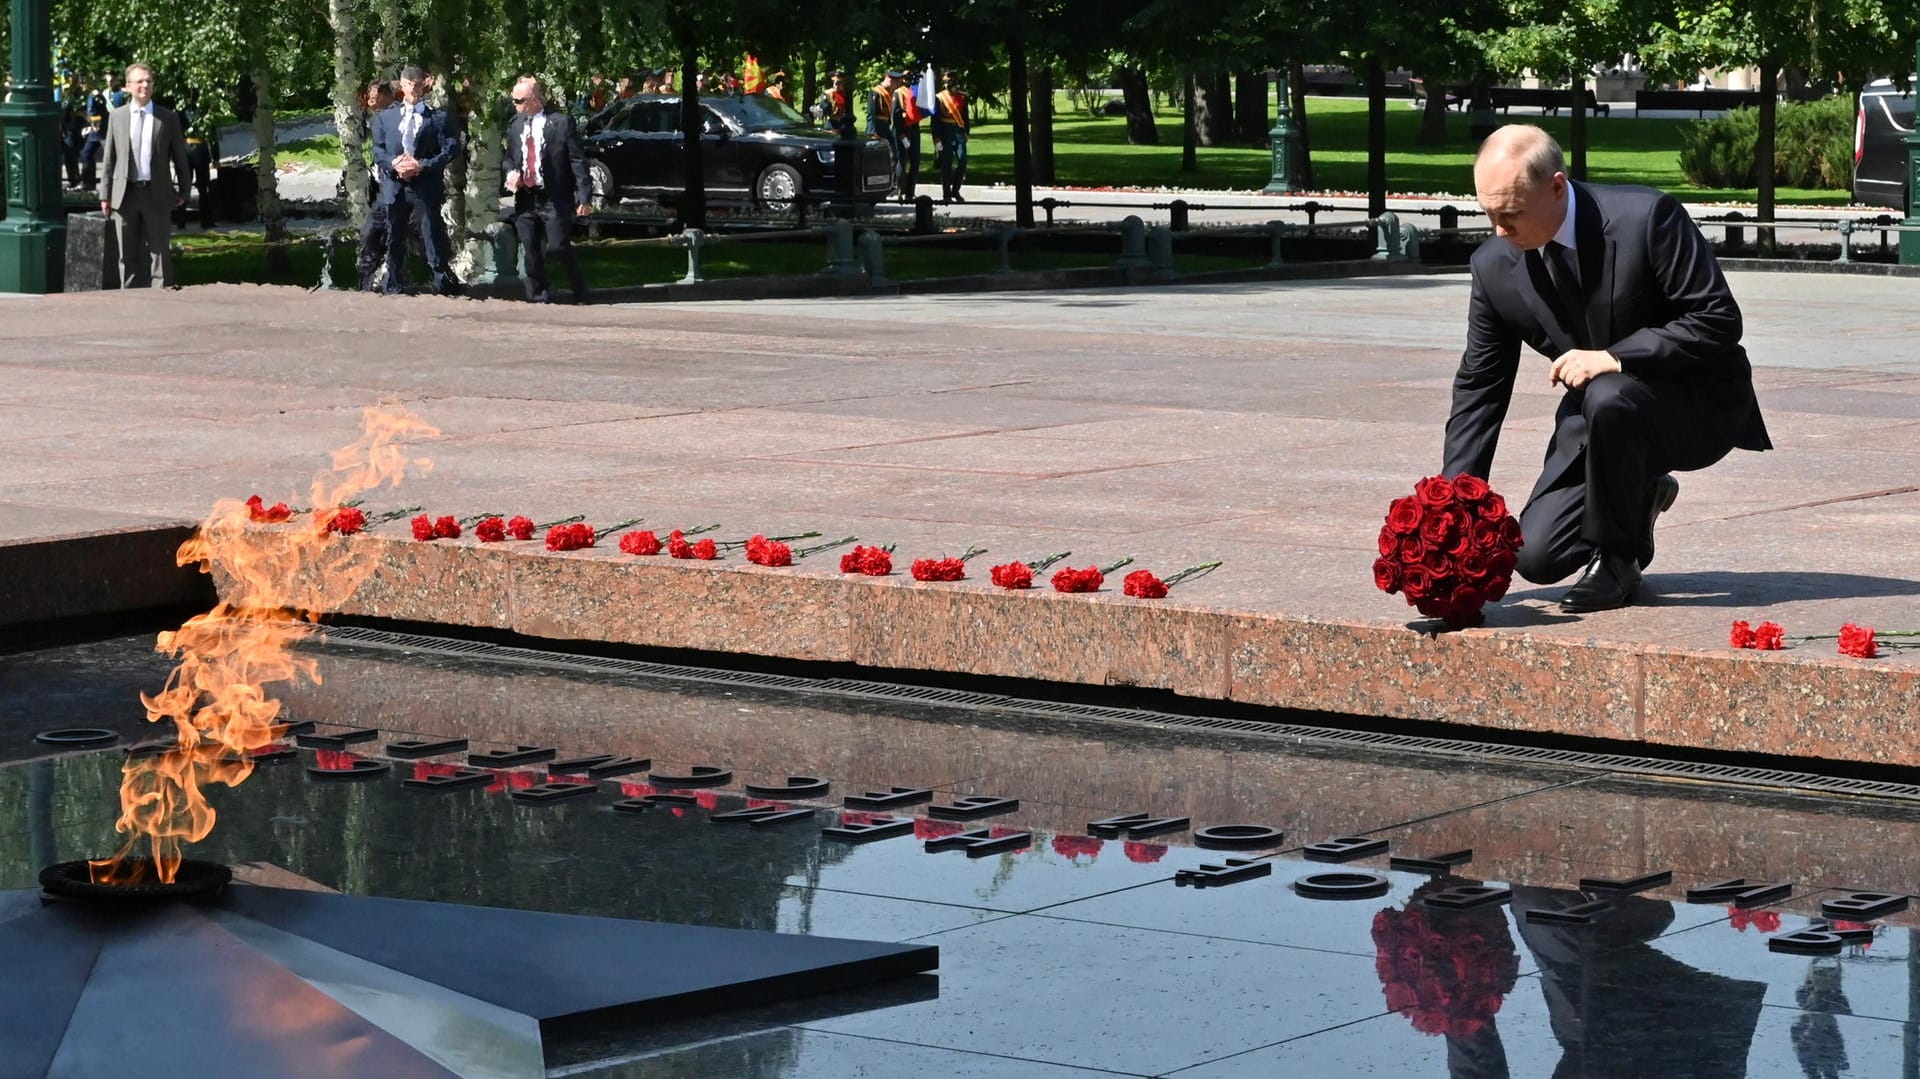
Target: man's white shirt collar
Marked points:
1566	234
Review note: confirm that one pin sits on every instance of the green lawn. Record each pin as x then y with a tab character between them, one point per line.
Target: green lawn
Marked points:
1093	152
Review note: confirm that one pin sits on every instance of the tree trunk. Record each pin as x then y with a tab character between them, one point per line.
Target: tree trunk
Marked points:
1041	117
1763	149
1297	89
1138	98
809	83
1212	117
1017	118
1250	93
1577	134
278	261
348	114
481	201
693	198
386	38
1376	137
1190	140
1433	122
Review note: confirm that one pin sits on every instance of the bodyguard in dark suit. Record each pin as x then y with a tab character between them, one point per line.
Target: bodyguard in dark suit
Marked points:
412	145
143	175
378	98
1617	286
546	167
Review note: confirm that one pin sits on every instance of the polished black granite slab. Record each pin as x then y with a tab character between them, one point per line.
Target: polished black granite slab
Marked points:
1069	954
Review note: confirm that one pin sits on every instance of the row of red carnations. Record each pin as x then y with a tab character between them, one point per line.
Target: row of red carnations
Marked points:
1856	640
572	534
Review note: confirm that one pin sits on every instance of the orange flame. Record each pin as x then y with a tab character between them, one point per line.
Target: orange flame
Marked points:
272	582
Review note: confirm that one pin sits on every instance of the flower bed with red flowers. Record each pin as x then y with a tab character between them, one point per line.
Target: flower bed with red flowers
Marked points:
1450	547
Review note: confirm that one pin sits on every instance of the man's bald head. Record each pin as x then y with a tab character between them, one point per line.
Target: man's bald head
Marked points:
1520	178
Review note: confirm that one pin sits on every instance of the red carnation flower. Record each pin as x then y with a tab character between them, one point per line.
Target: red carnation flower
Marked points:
1742	635
1142	584
572	537
1769	637
1078	580
1143	853
1857	641
640	543
258	510
347	520
706	550
520	528
1071	847
1012	575
422	527
939	569
491	530
762	551
872	561
446	528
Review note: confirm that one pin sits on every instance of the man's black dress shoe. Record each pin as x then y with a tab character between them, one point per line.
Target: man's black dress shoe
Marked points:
1608	582
1665	490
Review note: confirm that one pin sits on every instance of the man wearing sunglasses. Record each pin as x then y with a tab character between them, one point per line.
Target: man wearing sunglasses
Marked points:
546	166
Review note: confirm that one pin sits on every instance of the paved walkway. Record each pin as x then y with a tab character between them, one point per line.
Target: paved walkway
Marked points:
1266	424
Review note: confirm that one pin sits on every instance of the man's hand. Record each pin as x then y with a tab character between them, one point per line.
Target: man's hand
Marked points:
513	180
582	210
1580	366
406	166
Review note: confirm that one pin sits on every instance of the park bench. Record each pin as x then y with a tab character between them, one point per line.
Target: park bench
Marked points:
1696	101
1547	101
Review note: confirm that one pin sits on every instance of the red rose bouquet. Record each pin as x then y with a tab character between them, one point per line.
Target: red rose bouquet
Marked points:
1450	546
1447	971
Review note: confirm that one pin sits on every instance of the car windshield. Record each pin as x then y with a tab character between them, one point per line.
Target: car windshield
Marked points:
758	112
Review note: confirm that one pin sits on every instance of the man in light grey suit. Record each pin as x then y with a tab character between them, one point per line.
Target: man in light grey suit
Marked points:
144	175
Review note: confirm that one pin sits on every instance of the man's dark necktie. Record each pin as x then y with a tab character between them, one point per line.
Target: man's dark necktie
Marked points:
1565	274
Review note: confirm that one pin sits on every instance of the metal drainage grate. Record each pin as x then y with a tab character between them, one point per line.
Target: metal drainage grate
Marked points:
386	640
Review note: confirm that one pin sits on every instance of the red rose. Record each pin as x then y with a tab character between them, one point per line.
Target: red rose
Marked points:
1437	561
1412	552
1468	599
1403	515
446	528
640	543
1486	535
1496	589
422	527
1437	530
1510	532
939	569
1476	567
872	561
1142	584
1386	575
706	550
1858	641
1389	541
520	528
1493	507
1416	582
1742	635
1012	575
769	552
1769	637
1470	488
1500	563
1079	580
491	530
347	520
1434	492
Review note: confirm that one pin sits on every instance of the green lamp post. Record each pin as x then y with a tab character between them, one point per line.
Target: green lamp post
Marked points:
33	237
1910	241
1283	139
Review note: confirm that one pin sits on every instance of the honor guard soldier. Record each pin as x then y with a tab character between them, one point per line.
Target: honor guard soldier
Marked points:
950	122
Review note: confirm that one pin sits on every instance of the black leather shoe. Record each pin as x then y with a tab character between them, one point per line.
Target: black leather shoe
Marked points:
1609	582
1665	490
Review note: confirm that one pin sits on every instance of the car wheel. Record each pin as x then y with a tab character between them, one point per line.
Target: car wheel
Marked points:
776	188
602	179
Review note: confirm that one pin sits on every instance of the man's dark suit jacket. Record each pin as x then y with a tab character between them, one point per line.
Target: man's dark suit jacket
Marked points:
433	146
166	156
1653	296
563	161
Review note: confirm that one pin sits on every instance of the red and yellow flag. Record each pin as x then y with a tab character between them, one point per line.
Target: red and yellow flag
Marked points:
750	79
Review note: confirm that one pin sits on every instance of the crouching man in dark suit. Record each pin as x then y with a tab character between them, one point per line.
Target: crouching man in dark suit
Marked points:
1617	286
546	166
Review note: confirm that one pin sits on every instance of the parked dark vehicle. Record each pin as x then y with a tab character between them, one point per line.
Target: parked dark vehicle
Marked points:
1880	145
755	149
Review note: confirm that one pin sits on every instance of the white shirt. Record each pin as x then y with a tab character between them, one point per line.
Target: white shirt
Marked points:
538	125
409	127
140	135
